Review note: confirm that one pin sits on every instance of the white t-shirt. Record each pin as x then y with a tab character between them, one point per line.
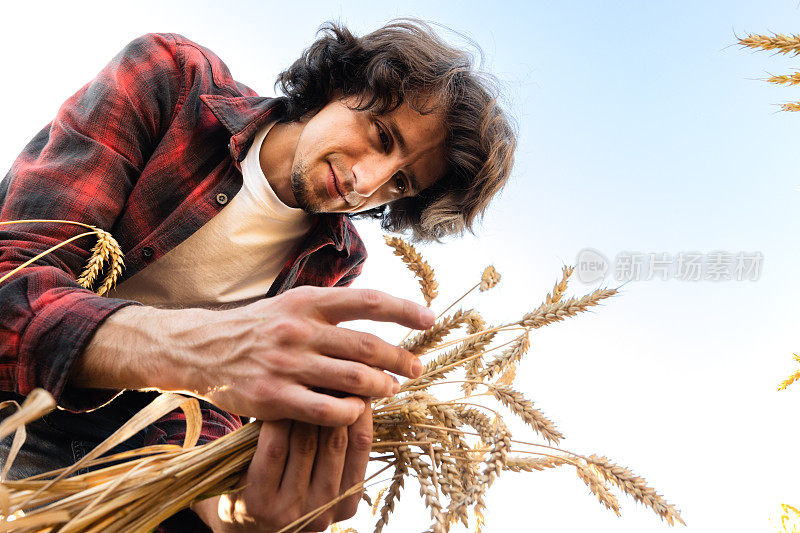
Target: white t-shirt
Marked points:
234	257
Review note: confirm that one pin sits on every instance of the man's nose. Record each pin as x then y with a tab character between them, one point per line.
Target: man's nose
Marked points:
371	174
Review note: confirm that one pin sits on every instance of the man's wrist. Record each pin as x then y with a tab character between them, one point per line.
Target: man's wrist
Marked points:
142	347
207	512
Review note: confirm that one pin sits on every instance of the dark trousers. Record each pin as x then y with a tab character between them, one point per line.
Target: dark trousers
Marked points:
60	438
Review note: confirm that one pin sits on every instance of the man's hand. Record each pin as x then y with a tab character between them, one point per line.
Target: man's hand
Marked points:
267	360
297	468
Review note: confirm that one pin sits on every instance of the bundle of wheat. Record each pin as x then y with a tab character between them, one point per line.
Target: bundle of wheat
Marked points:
781	44
455	447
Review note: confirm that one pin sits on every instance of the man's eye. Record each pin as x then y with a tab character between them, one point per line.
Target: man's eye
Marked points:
400	184
383	136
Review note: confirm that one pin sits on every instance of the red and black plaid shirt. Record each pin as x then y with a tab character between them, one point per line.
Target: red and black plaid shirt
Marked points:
150	151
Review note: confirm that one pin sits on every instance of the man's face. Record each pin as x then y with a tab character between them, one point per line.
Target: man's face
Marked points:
349	161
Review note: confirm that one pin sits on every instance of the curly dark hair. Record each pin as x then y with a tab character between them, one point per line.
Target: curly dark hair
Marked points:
405	61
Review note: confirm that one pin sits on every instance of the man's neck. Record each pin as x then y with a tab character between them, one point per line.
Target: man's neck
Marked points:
276	157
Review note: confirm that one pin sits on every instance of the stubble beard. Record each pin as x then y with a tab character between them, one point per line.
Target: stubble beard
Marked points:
302	190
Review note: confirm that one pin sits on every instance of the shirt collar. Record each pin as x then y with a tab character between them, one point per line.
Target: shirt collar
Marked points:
243	116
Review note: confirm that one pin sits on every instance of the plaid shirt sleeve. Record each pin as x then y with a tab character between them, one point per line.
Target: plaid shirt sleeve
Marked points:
80	167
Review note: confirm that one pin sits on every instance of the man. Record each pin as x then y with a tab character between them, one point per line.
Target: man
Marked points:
219	198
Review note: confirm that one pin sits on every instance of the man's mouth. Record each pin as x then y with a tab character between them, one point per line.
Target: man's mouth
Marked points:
333	185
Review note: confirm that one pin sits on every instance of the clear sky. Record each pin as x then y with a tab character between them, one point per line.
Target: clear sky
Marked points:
641	129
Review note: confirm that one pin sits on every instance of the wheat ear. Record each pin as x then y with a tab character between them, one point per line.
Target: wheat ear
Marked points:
782	44
636	487
509	357
489	278
788	79
393	494
432	336
421	269
547	314
114	270
560	287
788	381
450	360
494	464
535	464
106	249
594	481
522	407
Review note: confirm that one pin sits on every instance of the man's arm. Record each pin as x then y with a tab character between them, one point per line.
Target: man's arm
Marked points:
267	360
81	167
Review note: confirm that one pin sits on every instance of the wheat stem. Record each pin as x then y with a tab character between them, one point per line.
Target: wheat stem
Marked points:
49	250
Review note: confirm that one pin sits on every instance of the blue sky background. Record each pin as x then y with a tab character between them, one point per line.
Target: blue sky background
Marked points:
641	128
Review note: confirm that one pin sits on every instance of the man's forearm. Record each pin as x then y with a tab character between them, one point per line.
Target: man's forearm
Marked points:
140	347
265	360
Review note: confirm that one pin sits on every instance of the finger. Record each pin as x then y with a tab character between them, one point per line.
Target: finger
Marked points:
322	409
348	376
326	477
266	468
339	304
359	444
297	474
366	348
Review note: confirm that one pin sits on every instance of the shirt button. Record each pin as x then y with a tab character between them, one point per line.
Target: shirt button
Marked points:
222	198
147	252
